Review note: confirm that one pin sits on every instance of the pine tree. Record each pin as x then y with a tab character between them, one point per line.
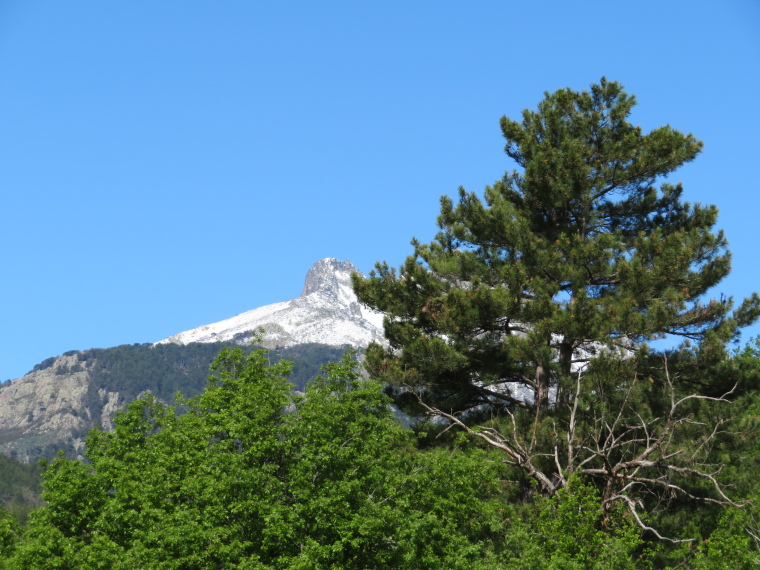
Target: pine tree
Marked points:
576	250
526	323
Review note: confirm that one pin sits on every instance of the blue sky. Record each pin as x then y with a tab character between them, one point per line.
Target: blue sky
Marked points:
170	164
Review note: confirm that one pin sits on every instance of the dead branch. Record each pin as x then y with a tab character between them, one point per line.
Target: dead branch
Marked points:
631	455
632	508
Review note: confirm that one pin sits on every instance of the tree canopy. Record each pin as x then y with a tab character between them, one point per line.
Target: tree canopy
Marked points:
254	475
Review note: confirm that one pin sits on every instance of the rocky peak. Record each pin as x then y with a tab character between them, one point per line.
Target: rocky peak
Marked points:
327	312
327	276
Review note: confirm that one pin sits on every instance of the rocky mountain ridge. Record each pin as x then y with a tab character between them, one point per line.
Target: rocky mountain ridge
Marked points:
327	312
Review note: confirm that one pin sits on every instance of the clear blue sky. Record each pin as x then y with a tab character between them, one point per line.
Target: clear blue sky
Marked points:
169	164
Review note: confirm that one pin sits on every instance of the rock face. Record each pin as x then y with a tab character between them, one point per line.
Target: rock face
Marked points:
49	406
327	312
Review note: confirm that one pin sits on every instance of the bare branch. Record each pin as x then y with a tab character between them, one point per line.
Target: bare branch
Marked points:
632	508
632	456
494	439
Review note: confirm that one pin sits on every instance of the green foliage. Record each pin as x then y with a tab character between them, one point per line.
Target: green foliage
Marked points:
733	543
9	535
255	476
20	487
307	360
571	531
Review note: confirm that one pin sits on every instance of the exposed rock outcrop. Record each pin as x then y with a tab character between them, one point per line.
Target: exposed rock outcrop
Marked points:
49	406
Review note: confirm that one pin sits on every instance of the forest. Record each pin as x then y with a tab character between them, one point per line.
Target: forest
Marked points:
583	399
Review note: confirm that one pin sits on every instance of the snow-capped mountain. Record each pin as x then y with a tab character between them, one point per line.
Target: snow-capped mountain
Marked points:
327	312
52	406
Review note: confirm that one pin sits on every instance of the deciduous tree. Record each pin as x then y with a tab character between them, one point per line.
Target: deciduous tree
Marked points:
254	475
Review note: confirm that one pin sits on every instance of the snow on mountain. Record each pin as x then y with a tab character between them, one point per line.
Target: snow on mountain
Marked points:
327	312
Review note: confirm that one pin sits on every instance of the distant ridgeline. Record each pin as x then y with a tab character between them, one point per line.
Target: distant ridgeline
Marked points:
60	399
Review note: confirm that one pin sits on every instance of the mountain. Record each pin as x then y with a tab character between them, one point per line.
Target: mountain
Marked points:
327	312
54	405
